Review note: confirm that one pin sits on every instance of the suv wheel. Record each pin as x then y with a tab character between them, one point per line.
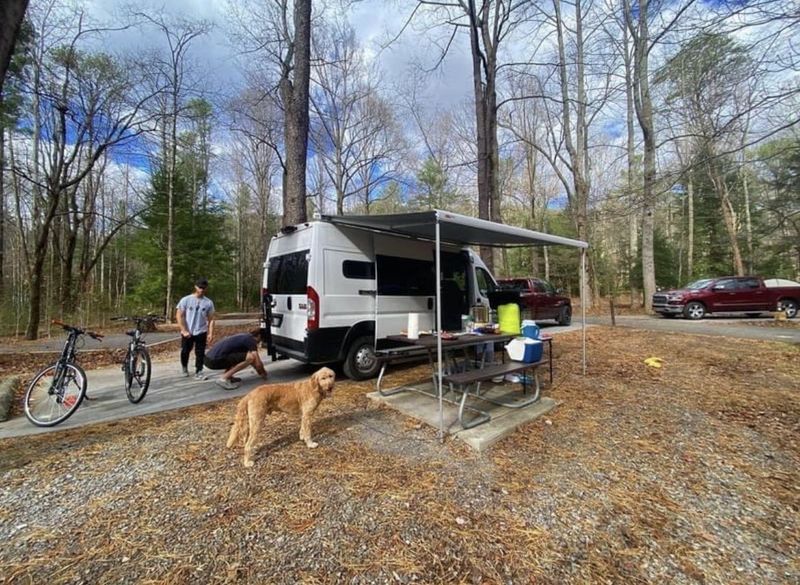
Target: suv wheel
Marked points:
694	311
361	362
564	316
789	307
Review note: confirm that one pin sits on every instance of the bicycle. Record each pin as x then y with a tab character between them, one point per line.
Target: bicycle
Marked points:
57	391
137	367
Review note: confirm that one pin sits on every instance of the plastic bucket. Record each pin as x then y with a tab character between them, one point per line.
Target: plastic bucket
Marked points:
508	317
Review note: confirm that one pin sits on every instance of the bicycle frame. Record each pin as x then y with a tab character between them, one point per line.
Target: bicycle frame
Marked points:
67	357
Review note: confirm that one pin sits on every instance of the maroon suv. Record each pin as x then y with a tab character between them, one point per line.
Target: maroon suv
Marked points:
729	294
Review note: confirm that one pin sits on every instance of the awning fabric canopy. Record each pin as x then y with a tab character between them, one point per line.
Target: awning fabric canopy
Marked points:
454	229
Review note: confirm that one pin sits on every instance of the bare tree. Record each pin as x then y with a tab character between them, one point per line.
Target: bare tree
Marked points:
488	24
86	105
644	40
172	71
279	33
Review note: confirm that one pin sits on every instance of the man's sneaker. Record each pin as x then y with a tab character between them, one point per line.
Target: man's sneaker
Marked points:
226	384
200	376
185	372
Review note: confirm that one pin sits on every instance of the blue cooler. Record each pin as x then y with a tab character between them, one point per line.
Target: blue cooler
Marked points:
530	329
533	351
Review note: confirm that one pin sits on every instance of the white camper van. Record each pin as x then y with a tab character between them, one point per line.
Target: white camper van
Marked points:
332	294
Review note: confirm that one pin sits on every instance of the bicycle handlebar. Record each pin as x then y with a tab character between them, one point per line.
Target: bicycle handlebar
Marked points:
78	330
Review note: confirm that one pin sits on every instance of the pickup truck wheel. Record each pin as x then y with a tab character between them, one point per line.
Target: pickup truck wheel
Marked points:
694	311
564	316
361	363
789	307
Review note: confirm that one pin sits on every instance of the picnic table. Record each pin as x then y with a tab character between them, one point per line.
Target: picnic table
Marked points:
462	373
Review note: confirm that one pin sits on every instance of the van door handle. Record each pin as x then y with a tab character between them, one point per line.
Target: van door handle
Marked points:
289	303
430	303
367	293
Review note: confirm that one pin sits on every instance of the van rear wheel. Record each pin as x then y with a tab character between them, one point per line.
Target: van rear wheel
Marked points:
361	362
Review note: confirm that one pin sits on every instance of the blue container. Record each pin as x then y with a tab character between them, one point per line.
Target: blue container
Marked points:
531	331
533	351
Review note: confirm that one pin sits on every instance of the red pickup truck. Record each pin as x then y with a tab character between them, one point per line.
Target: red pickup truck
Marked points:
729	294
540	299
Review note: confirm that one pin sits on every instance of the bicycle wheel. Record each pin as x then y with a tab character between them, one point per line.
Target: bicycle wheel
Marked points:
137	374
54	394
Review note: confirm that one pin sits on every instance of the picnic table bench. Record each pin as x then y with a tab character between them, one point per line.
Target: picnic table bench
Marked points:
462	381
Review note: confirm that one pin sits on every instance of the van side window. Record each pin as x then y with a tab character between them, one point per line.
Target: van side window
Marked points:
358	269
485	282
405	276
288	274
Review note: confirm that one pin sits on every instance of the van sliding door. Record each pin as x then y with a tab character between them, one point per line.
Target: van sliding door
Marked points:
405	283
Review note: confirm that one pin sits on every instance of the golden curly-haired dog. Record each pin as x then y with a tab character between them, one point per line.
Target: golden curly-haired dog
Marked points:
301	398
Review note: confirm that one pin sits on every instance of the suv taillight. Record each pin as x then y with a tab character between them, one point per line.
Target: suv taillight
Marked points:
313	309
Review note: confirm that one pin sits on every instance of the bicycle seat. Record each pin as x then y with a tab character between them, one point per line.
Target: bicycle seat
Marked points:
131	332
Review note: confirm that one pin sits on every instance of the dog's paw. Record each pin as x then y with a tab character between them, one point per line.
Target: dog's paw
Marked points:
312	444
249	463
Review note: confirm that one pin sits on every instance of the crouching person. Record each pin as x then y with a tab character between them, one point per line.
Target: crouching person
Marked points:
233	354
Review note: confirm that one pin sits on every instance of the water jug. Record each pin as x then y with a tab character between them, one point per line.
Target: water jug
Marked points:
530	329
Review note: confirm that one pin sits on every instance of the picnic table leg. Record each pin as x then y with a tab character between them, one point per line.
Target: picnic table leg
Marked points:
478	420
391	392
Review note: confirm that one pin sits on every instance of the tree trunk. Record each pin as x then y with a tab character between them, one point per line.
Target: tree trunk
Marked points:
644	113
633	223
2	205
576	147
748	220
295	100
728	215
690	230
12	13
484	71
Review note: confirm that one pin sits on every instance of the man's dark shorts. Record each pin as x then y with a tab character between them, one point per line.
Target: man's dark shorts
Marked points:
226	362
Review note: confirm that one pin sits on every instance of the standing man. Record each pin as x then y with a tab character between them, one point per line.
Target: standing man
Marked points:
234	354
195	316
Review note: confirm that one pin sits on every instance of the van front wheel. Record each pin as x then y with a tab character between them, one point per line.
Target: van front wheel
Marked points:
361	363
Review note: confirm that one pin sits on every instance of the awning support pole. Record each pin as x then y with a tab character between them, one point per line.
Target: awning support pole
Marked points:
439	327
583	306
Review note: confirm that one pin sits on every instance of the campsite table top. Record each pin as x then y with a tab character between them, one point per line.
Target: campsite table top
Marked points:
429	342
464	340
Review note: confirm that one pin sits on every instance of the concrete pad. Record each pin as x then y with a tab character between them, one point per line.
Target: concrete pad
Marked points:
420	403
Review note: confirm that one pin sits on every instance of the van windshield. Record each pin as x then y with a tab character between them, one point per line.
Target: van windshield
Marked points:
288	274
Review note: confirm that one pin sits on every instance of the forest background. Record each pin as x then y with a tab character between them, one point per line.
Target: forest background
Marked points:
663	133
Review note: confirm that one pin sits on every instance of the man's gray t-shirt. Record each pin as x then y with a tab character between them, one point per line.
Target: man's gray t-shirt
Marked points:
196	312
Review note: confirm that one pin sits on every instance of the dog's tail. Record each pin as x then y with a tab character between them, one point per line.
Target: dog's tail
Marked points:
239	423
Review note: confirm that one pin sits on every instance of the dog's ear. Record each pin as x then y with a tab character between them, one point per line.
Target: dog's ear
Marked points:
315	377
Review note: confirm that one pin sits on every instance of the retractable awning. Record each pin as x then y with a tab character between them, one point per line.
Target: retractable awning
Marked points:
452	228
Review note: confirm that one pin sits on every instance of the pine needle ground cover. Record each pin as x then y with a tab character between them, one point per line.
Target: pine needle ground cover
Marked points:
686	473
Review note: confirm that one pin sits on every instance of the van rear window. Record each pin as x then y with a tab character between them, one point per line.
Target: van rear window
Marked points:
288	274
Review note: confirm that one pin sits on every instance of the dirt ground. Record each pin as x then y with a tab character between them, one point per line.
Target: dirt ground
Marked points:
682	474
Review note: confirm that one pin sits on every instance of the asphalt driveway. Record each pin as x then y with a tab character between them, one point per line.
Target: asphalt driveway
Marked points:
719	326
